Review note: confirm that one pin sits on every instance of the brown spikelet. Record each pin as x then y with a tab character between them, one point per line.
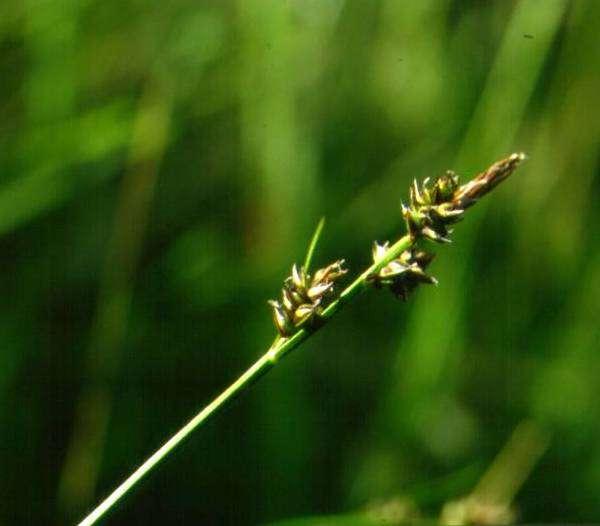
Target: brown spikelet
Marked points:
468	194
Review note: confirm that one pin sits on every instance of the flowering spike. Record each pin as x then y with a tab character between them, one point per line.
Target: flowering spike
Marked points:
302	296
440	202
403	274
433	207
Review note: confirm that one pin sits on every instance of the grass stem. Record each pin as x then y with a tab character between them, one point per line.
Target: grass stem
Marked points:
433	208
280	347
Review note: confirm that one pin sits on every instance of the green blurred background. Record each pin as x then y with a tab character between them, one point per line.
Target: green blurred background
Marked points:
162	165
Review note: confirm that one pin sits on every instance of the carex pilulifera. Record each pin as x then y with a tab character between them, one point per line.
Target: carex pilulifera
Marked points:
306	299
434	206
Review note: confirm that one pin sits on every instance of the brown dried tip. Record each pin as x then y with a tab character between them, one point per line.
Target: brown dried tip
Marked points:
468	194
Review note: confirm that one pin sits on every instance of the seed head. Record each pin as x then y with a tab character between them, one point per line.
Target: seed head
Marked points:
403	274
303	296
441	202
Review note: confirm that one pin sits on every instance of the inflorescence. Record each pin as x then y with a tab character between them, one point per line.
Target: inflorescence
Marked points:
434	206
307	300
403	274
303	296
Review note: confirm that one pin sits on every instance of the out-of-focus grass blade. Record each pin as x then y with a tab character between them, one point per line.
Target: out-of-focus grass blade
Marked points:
511	81
281	181
51	182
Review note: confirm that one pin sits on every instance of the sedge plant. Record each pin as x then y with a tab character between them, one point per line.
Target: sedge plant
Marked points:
309	300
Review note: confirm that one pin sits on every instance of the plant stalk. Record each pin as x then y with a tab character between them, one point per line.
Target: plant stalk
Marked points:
432	209
279	348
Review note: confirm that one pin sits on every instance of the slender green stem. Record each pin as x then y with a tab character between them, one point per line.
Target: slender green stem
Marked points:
279	348
313	245
259	368
461	198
